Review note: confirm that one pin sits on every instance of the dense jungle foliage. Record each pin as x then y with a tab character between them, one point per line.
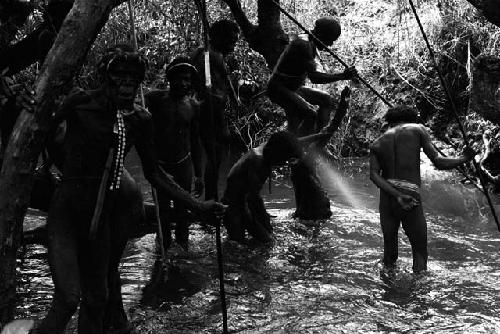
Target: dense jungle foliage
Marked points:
381	38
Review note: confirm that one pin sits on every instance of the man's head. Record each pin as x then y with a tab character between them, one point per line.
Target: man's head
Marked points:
282	146
224	35
327	30
401	114
181	75
122	71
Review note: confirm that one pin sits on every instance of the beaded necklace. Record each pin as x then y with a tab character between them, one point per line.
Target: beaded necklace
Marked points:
119	129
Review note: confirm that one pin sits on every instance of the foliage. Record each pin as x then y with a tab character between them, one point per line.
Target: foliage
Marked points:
380	37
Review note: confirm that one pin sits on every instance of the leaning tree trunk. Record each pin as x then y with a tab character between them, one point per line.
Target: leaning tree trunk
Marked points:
269	39
77	34
485	88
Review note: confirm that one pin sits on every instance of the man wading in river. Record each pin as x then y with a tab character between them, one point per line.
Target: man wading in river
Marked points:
395	169
85	245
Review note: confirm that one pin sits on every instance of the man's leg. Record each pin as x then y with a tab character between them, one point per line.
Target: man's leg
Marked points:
234	221
63	262
165	208
297	109
127	214
415	228
390	225
214	133
183	177
94	262
259	225
321	99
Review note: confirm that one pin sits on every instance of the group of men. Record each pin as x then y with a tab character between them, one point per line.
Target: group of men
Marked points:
96	202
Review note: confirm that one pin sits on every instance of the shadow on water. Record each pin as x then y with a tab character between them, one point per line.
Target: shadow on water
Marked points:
317	276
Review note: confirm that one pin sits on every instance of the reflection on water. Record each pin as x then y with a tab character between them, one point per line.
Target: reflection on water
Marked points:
317	276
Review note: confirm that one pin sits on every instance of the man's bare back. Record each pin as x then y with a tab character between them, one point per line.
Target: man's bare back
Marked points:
395	169
398	151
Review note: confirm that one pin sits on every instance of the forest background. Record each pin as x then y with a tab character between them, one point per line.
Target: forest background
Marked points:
381	38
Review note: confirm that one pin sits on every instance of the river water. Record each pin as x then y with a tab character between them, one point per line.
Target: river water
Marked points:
317	276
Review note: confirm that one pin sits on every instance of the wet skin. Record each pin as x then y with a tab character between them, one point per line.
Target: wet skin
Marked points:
396	155
286	87
176	136
213	130
90	117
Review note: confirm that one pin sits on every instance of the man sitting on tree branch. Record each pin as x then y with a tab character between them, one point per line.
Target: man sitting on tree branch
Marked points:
286	87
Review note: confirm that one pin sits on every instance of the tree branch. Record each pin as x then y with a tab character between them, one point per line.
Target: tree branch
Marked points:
268	37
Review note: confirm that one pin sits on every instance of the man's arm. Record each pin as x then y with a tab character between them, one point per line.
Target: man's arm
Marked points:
437	159
317	77
326	133
407	202
486	157
158	178
74	98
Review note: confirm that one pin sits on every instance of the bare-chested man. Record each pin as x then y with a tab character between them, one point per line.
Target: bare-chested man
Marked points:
214	132
176	140
395	169
287	88
86	229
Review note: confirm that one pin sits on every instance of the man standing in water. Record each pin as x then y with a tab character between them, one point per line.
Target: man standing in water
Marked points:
85	240
214	131
176	141
286	87
395	169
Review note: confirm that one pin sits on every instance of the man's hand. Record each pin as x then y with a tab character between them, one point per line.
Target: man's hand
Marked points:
199	185
407	202
469	153
350	73
212	207
346	93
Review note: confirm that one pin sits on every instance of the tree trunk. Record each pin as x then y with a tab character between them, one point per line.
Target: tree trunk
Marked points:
77	34
268	37
485	88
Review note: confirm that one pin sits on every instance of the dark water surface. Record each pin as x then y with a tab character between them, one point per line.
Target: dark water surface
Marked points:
318	276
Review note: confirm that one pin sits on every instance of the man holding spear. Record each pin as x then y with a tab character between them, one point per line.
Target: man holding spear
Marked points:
286	87
102	125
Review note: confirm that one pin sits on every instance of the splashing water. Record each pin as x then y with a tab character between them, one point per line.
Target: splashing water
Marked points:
333	181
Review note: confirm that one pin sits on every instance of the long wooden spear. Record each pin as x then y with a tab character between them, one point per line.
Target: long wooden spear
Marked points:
327	49
143	103
202	10
455	113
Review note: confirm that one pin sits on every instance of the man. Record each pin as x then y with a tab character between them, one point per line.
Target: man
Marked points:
246	210
395	169
286	87
176	140
214	132
86	239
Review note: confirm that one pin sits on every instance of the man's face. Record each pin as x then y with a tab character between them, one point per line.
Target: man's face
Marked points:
226	44
181	83
326	40
124	80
